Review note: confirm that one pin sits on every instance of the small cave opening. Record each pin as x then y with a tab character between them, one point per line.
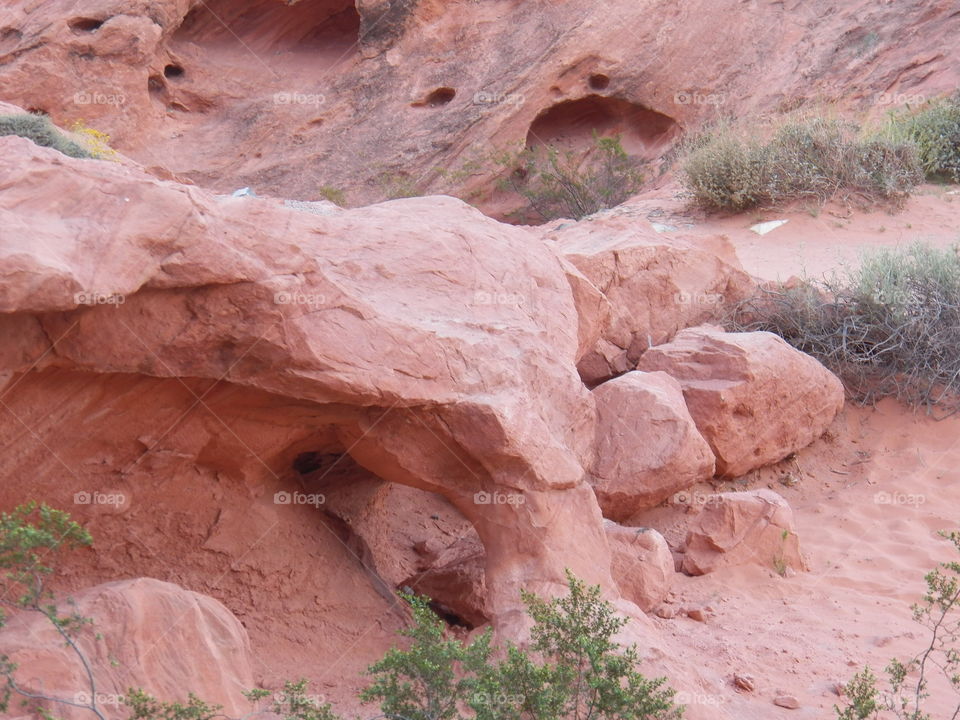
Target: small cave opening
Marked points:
315	26
571	125
437	98
449	616
82	25
599	81
173	71
313	461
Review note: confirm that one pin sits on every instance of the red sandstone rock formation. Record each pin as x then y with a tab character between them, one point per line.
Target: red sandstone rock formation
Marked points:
753	397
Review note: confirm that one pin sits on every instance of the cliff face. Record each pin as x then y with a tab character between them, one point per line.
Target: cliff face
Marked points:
387	98
296	409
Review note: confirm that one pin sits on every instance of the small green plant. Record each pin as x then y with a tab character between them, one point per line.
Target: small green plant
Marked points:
40	130
397	185
805	159
575	670
434	677
909	680
935	130
333	194
32	538
862	700
779	560
565	184
144	706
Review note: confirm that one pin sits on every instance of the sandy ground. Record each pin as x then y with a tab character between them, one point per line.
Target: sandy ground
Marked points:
869	499
814	241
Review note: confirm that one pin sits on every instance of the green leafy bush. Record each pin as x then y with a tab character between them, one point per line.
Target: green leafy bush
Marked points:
559	184
813	158
935	130
40	130
575	670
32	538
890	327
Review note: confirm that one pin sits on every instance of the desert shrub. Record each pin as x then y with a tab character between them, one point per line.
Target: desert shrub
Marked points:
40	130
908	681
565	184
333	194
32	539
575	669
95	142
890	327
935	130
813	158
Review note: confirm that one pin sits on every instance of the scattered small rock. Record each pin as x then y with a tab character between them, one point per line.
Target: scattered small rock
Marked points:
744	682
698	614
666	612
786	701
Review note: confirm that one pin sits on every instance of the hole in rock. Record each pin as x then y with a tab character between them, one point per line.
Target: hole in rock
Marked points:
327	29
449	616
571	125
599	81
173	71
85	25
440	96
9	39
308	463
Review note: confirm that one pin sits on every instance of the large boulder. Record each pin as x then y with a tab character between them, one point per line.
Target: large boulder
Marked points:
146	633
754	398
434	345
648	446
655	284
643	565
743	528
413	539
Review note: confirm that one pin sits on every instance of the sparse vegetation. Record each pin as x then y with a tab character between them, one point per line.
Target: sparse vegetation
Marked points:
32	538
40	130
95	142
564	184
908	688
935	130
575	670
811	158
888	328
333	194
